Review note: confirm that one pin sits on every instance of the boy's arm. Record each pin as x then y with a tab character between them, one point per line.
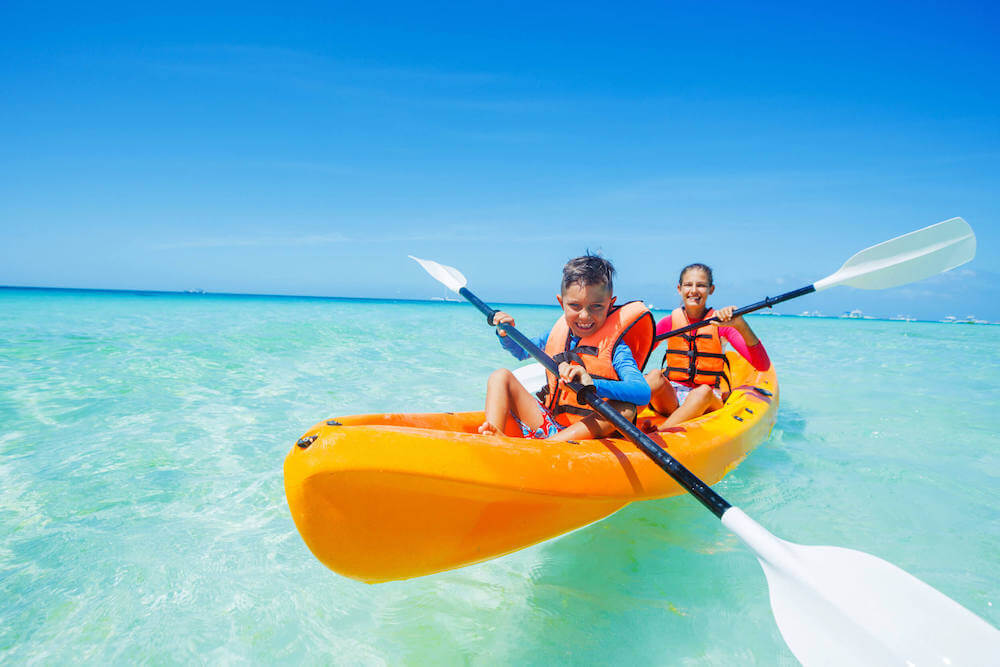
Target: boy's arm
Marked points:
516	350
632	388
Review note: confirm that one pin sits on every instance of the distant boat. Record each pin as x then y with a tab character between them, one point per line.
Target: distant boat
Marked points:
853	314
810	313
949	319
903	318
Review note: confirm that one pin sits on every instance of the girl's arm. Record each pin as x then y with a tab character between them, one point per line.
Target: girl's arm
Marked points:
755	354
742	338
662	327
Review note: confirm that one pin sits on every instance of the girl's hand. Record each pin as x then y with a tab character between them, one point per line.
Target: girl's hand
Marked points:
570	373
501	317
725	316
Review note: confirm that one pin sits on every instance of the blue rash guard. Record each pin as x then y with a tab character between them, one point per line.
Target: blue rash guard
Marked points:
632	387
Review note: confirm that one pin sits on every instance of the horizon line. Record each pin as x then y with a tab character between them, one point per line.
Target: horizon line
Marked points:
440	300
254	294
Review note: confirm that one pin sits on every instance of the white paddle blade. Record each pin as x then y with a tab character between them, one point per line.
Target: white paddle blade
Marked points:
837	606
532	377
449	276
907	258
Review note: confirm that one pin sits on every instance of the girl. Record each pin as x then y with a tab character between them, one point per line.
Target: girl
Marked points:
693	379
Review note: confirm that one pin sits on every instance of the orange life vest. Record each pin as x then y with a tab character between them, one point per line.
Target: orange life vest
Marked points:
631	323
695	356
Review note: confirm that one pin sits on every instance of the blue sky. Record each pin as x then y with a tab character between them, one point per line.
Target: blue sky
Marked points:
308	149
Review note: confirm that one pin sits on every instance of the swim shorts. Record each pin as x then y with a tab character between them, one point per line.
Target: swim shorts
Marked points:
682	391
548	428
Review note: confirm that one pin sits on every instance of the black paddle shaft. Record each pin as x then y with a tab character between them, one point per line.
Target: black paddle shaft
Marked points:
766	303
703	492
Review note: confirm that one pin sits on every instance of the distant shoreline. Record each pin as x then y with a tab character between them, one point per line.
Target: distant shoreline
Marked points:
249	295
432	300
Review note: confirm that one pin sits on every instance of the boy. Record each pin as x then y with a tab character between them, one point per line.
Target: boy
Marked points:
595	342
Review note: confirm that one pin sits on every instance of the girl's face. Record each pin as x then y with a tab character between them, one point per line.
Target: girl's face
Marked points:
694	290
585	307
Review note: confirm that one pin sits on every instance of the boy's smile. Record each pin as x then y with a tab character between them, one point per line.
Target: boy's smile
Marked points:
585	307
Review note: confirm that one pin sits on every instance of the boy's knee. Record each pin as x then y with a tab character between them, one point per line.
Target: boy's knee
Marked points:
626	410
500	376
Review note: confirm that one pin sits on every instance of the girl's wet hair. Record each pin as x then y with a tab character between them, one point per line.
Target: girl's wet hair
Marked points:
588	270
697	265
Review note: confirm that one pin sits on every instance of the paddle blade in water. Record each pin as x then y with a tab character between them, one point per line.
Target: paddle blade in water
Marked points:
907	258
450	277
838	606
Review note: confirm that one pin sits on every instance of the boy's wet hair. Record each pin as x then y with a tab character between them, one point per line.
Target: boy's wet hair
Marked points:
696	265
588	270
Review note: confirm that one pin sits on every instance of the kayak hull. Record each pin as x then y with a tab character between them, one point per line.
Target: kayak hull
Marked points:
393	496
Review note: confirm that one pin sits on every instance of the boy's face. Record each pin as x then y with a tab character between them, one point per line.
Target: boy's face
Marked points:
585	307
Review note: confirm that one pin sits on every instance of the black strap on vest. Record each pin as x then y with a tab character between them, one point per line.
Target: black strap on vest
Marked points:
692	354
574	354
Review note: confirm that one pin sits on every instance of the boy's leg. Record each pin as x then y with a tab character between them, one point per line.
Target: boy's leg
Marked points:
504	394
595	426
662	397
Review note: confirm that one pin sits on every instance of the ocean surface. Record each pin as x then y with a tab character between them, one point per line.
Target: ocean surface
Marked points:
143	517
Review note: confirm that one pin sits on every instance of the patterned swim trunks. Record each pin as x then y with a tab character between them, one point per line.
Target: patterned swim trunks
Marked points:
548	428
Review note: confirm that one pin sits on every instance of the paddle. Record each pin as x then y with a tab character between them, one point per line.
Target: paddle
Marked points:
833	606
904	259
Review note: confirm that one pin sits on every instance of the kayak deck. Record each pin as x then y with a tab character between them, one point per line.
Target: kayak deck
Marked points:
392	496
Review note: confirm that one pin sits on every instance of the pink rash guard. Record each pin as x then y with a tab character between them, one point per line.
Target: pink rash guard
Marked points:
756	355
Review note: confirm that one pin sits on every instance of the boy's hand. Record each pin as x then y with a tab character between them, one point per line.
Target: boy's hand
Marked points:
501	317
569	372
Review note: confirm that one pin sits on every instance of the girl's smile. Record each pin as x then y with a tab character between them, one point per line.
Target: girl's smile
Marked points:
694	290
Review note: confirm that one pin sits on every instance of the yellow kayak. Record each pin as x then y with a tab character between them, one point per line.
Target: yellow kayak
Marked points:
393	496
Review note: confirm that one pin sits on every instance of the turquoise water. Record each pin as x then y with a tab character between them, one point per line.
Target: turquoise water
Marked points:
143	515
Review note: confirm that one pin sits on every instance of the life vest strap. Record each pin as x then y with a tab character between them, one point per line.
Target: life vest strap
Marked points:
582	412
573	355
711	355
691	374
572	409
720	374
691	354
